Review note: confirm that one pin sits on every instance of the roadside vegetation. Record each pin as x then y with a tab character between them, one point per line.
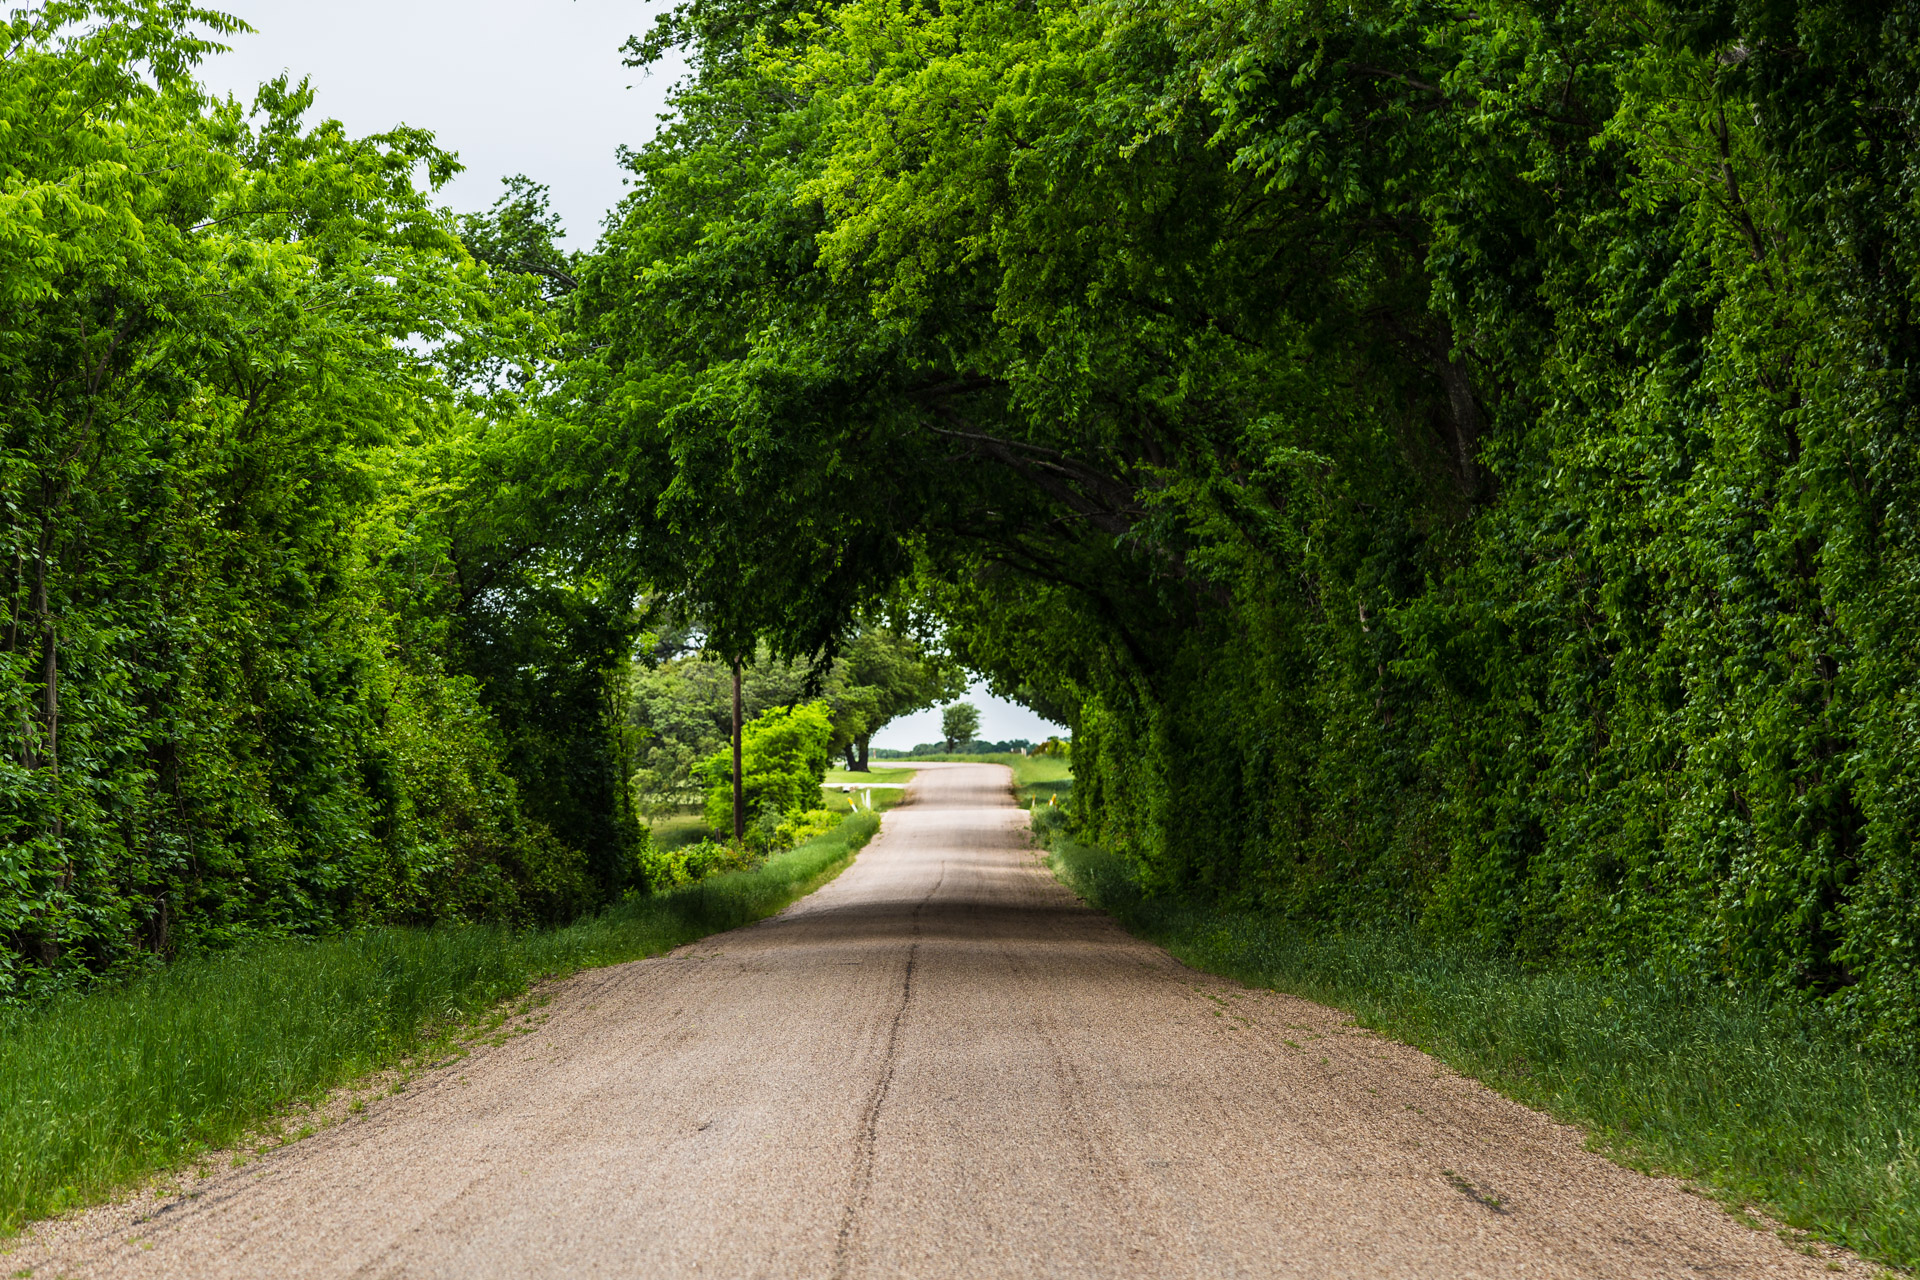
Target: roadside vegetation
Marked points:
102	1089
1037	779
1767	1103
1454	468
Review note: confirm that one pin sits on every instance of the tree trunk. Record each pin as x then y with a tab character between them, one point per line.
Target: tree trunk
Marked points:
863	767
739	794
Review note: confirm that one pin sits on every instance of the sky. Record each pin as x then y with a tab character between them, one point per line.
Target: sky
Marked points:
515	86
1000	721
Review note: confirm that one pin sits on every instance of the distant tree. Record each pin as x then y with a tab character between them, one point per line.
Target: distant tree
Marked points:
960	722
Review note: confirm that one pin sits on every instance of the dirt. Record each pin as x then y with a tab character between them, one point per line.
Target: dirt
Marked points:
940	1064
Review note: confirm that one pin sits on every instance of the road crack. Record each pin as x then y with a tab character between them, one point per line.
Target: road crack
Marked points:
866	1140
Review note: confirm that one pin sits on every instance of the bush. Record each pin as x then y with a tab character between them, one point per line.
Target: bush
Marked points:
677	868
783	759
802	827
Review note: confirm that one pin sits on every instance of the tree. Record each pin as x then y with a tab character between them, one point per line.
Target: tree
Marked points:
881	675
1449	465
783	760
234	473
960	723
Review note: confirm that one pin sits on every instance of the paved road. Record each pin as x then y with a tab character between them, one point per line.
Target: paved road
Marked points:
939	1065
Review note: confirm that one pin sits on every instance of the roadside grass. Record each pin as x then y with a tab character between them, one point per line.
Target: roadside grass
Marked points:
1035	778
884	797
1767	1105
102	1090
688	825
876	776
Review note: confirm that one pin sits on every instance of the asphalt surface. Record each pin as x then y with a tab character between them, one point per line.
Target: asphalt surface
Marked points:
941	1064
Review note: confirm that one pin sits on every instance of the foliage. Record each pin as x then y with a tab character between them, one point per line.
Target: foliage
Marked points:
98	1090
1012	746
680	865
783	757
1450	465
681	709
246	690
805	825
1770	1103
881	674
959	723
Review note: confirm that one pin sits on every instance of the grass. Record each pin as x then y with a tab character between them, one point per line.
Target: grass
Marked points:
1035	778
873	777
1767	1105
688	825
102	1090
883	797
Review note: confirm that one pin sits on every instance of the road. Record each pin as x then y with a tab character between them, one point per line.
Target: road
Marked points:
941	1064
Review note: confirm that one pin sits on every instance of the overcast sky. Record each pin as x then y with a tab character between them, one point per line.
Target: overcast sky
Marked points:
1000	721
514	86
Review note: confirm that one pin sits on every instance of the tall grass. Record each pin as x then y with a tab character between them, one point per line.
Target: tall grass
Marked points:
100	1090
1772	1104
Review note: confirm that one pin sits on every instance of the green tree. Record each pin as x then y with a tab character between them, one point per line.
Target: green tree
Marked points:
1449	464
883	674
231	455
960	723
783	760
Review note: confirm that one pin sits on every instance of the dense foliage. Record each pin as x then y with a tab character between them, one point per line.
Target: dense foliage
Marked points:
783	758
679	705
259	635
1450	464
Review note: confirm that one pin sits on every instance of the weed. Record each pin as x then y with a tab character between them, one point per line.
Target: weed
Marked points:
1472	1192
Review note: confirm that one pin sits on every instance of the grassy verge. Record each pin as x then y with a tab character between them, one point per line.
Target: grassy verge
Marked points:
1035	778
1770	1105
888	787
102	1090
686	826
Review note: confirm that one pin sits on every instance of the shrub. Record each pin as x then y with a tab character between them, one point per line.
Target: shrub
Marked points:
783	759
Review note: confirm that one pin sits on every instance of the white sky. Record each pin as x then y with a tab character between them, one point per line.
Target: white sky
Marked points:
514	86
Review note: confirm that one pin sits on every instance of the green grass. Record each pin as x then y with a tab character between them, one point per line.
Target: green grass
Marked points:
879	774
101	1090
687	826
884	798
1035	778
1770	1105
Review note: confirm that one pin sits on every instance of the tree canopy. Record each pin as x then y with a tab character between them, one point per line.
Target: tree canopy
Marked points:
1451	465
